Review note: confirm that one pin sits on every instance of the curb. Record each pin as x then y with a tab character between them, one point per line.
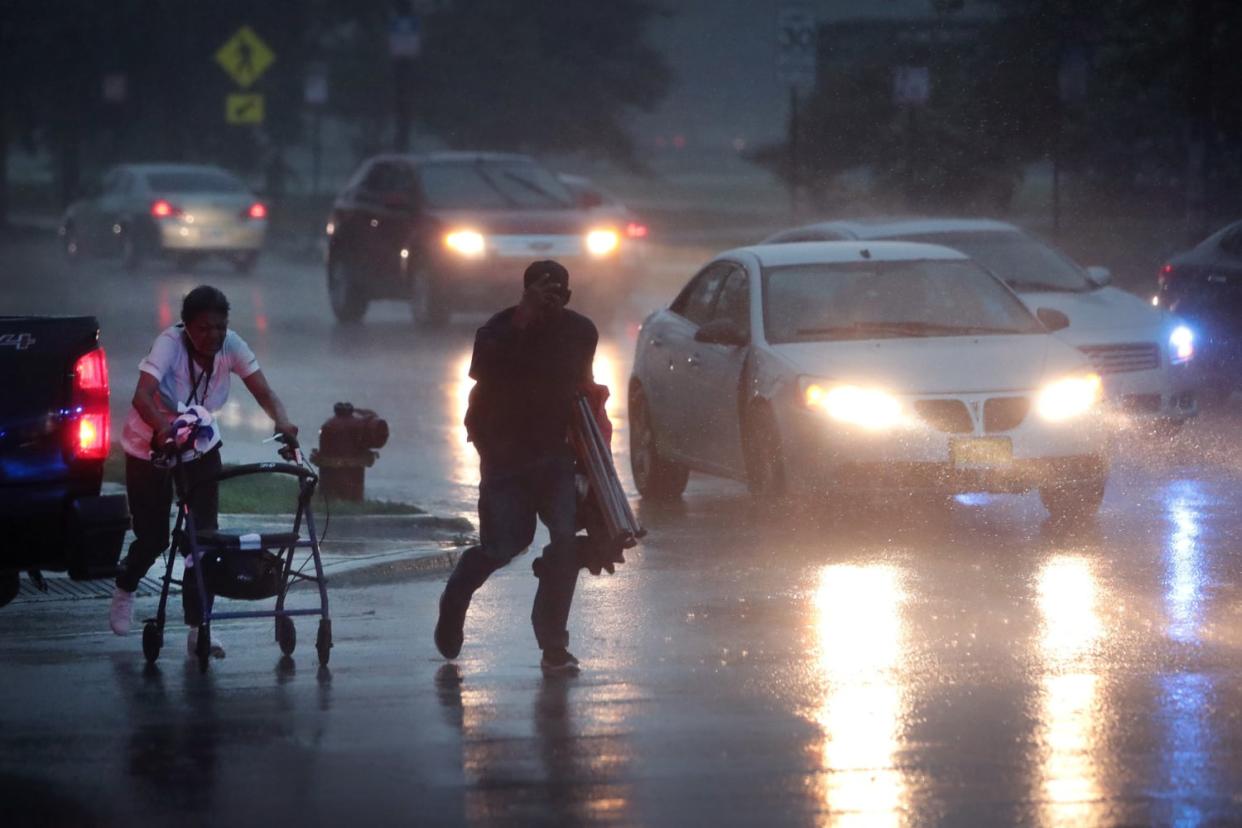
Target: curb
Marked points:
340	571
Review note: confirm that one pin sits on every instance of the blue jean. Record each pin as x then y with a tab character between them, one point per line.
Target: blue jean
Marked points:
510	501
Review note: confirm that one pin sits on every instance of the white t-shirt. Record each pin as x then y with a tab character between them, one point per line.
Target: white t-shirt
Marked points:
169	362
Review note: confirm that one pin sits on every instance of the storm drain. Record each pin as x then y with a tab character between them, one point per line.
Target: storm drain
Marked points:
63	588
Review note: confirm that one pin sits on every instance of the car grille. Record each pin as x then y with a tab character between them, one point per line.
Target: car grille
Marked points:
1005	413
945	415
1118	359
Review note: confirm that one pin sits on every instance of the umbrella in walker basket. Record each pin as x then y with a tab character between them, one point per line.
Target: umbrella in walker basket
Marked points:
249	566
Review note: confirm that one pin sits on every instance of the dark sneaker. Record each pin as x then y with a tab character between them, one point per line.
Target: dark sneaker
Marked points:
449	628
559	660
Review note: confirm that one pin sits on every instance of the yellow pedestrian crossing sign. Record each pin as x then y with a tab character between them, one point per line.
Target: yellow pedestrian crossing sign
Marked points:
243	108
245	57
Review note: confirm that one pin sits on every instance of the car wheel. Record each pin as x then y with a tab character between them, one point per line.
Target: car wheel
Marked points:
1078	500
765	463
655	477
132	252
244	262
349	303
428	303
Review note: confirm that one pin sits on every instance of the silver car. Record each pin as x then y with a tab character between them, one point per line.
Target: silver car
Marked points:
1143	353
182	211
848	367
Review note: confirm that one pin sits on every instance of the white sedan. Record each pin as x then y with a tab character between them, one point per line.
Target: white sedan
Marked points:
856	366
1144	354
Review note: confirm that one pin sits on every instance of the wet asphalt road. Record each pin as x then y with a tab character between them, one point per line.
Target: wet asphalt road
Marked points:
881	663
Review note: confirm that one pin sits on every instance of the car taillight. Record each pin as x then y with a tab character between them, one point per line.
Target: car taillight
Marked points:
91	434
1165	275
635	230
162	209
257	211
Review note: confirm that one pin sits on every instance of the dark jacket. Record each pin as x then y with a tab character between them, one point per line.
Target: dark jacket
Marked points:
526	380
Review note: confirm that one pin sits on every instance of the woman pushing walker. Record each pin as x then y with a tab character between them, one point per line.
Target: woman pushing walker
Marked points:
189	364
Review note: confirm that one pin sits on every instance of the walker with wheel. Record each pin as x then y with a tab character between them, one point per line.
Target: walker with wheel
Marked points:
251	566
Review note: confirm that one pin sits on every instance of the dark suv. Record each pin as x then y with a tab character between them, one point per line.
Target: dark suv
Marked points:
453	231
1203	285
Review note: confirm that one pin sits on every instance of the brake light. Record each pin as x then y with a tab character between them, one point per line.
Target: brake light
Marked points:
257	211
635	230
162	209
90	374
91	436
1165	275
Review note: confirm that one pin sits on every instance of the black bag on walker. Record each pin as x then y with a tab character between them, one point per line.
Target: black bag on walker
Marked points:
240	566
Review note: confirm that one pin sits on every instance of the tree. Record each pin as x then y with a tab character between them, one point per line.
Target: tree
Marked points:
538	76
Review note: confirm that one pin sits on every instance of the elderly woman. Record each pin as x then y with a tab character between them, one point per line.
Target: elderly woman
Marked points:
190	363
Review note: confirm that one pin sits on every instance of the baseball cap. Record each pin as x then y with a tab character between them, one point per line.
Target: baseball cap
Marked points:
545	267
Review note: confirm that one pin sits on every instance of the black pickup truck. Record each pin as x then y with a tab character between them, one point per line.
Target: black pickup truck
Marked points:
55	433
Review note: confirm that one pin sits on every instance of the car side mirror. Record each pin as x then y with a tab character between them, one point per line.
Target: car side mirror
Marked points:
1100	276
721	332
1053	319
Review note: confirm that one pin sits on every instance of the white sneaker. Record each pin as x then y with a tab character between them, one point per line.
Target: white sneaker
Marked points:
121	614
191	645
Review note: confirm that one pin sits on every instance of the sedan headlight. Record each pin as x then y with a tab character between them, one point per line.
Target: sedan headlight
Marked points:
1067	398
602	242
469	243
1181	345
870	408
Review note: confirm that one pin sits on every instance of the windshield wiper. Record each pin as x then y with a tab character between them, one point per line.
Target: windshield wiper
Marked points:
533	187
907	328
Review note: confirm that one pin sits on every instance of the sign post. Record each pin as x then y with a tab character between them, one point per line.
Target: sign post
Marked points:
795	63
405	43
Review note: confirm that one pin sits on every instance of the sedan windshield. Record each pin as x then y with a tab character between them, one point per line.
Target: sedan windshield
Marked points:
1025	263
882	300
194	181
492	185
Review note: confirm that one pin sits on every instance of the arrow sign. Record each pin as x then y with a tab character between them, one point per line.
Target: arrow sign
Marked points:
243	108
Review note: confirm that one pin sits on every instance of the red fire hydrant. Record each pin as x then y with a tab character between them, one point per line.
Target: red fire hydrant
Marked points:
347	443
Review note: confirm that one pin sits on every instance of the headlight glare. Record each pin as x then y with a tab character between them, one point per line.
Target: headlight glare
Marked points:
869	408
1181	345
602	242
468	243
1067	398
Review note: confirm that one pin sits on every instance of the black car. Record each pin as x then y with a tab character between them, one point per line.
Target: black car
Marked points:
54	440
453	231
1203	285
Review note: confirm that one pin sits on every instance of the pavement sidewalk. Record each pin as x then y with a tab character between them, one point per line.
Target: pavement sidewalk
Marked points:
355	549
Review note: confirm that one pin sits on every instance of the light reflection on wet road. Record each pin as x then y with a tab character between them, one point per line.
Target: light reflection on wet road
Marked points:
880	664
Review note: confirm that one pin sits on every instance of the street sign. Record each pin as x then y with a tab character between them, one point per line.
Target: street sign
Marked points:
243	108
245	57
115	87
795	44
315	89
911	85
405	37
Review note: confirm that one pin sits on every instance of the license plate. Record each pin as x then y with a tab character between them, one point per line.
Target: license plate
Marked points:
981	452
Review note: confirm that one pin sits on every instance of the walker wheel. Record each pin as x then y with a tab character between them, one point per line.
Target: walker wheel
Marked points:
152	641
202	647
323	641
286	634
